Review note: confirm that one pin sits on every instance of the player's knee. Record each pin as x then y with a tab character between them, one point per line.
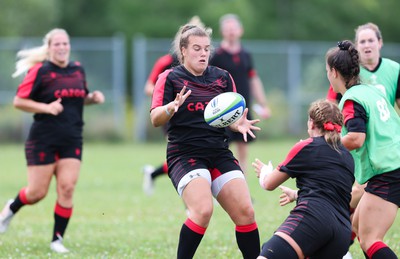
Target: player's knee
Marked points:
202	214
245	215
248	212
66	190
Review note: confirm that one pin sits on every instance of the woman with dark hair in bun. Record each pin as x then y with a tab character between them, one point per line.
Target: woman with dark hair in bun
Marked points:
371	132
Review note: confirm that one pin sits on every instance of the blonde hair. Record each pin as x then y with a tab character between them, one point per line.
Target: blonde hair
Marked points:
27	58
325	113
193	28
229	16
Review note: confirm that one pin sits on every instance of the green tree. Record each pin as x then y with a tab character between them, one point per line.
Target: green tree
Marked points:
275	20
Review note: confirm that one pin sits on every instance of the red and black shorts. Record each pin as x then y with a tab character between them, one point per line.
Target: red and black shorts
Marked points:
317	230
386	186
218	166
43	153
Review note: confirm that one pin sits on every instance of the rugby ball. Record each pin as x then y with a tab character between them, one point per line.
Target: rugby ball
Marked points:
224	109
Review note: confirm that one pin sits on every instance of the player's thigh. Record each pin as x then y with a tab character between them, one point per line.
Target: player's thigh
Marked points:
39	178
234	197
356	193
67	171
375	217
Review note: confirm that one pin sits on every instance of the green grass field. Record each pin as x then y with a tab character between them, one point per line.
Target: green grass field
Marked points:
114	219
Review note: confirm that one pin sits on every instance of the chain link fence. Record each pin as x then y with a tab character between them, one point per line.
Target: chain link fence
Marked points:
293	74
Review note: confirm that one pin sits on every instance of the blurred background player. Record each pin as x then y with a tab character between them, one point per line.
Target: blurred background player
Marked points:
163	63
150	172
383	73
319	225
55	90
231	56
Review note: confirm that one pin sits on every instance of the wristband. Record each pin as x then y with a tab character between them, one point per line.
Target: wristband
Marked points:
166	110
265	170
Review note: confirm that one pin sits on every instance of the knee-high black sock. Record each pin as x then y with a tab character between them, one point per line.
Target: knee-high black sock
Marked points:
158	172
189	239
248	240
61	219
380	250
19	201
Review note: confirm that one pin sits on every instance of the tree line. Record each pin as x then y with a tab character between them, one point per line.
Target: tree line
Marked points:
307	20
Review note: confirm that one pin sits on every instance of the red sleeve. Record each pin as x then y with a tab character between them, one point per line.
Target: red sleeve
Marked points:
159	89
252	73
25	88
233	84
348	110
160	66
331	95
294	151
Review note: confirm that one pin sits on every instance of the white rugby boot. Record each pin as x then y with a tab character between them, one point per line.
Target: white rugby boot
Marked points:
347	256
57	246
148	182
6	216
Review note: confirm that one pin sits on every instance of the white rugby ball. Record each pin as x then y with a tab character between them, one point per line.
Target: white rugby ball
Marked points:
224	109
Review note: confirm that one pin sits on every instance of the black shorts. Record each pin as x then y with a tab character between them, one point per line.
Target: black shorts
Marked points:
386	186
42	153
182	159
318	231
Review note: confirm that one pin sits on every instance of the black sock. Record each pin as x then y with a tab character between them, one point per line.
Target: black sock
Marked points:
189	239
157	172
384	253
61	219
380	250
18	201
248	240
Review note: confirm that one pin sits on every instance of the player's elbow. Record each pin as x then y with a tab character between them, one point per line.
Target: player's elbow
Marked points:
353	140
155	119
17	102
269	187
155	122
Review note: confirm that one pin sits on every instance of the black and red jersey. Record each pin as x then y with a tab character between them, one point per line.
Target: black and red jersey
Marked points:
187	126
355	117
45	83
240	66
322	174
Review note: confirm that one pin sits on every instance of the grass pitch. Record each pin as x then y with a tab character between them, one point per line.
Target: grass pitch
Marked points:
113	218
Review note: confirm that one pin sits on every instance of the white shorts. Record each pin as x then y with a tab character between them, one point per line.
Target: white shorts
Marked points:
216	184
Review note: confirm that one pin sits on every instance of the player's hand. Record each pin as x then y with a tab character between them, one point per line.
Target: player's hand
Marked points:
55	108
98	97
257	165
245	126
288	195
181	97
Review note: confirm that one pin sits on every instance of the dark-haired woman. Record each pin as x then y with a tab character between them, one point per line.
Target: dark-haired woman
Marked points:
372	133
